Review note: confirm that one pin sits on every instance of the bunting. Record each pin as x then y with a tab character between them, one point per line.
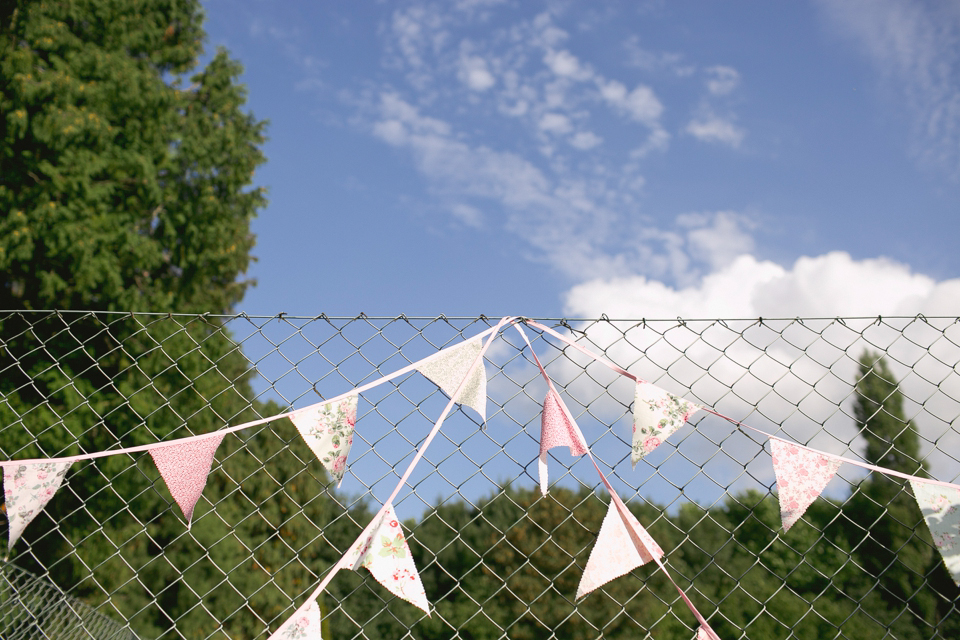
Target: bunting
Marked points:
305	624
656	415
327	428
385	554
450	369
802	476
185	467
617	552
27	488
556	431
941	509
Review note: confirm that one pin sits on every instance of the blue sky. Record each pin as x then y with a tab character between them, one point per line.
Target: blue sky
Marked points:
641	159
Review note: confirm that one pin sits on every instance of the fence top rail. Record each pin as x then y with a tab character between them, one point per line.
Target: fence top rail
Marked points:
482	316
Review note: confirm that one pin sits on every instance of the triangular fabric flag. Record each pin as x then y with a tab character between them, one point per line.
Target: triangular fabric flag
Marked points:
304	624
801	477
706	633
327	428
617	552
941	509
185	467
449	370
556	431
656	415
386	555
27	488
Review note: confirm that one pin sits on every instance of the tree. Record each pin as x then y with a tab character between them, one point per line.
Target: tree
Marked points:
121	188
125	185
885	528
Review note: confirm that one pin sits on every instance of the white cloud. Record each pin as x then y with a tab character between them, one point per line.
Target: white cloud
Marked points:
914	44
555	123
712	128
475	73
585	140
566	65
722	80
830	285
641	104
468	215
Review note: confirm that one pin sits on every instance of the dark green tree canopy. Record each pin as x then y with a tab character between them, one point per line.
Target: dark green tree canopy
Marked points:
123	184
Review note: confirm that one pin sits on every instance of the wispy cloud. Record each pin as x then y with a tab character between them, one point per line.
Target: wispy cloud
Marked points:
712	128
915	46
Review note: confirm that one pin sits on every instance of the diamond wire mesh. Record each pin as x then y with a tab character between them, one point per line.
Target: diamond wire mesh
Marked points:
497	559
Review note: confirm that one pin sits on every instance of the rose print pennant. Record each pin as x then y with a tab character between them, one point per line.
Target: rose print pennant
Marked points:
185	467
27	488
617	552
449	370
656	415
556	431
304	624
385	554
327	428
941	509
802	476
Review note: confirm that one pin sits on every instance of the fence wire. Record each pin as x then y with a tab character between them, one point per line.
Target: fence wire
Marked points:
497	559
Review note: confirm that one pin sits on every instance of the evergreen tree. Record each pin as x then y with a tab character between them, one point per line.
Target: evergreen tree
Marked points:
885	529
125	185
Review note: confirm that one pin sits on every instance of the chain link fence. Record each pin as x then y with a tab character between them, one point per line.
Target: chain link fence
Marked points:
497	559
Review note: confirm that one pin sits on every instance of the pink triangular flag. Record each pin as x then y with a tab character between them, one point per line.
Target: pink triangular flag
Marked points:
449	369
185	467
617	551
27	488
304	624
802	476
941	509
656	415
386	555
327	428
556	430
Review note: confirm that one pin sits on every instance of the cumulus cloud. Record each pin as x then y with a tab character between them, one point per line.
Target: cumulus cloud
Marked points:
787	377
641	104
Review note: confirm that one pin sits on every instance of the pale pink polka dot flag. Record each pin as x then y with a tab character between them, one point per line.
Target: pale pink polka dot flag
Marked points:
802	476
449	369
303	625
27	488
617	552
556	431
385	554
185	466
656	415
940	507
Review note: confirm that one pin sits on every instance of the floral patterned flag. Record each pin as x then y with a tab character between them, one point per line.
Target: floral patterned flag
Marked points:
449	370
941	509
556	431
801	477
617	552
302	625
185	467
27	488
328	429
656	415
386	555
